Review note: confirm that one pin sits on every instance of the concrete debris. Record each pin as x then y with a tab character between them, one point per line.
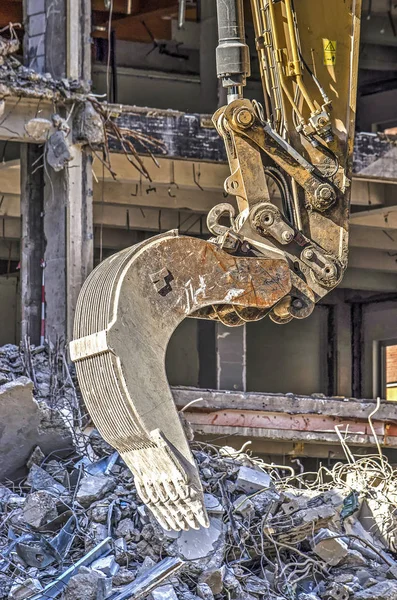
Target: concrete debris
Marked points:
330	548
94	488
214	579
37	128
123	577
20	591
75	528
386	590
88	127
164	592
107	565
88	584
39	509
57	151
204	591
251	480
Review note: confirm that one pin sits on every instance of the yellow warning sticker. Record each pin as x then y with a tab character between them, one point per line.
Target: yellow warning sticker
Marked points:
329	52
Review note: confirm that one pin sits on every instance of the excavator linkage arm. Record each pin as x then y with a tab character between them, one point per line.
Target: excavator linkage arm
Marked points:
277	255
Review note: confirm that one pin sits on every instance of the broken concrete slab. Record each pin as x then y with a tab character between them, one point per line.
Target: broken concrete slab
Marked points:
20	428
57	151
213	506
106	565
38	128
204	592
22	591
214	579
244	507
164	592
252	480
385	590
94	487
331	548
39	479
127	530
123	577
87	584
39	509
200	543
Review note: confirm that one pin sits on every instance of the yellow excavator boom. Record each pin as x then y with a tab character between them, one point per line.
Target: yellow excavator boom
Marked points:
271	257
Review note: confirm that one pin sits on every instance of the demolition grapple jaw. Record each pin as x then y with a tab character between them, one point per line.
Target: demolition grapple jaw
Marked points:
126	313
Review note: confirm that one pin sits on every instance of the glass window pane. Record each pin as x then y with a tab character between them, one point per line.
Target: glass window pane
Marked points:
391	372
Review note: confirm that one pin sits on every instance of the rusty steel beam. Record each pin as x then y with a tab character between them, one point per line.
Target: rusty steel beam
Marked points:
287	418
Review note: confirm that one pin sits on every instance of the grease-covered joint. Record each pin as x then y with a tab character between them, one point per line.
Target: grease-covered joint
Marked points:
323	268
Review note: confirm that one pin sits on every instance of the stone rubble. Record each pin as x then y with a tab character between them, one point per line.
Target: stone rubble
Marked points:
75	521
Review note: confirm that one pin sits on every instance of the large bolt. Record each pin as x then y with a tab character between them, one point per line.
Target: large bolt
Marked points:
287	236
324	192
267	219
308	253
244	117
297	303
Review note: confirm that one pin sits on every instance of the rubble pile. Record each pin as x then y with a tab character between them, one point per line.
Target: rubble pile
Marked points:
76	529
53	383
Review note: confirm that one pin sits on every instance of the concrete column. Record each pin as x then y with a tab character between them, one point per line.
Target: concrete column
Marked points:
208	43
206	347
65	196
69	235
231	357
32	240
344	349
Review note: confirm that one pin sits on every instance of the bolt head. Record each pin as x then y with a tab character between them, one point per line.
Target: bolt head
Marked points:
287	236
298	304
267	219
244	117
324	192
308	253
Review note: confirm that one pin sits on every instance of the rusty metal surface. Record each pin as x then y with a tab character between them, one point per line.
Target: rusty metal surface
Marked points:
126	314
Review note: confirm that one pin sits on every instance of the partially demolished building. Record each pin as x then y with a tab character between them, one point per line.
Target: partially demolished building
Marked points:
107	139
82	178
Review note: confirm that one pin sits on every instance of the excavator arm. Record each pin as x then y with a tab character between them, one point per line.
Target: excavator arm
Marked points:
269	254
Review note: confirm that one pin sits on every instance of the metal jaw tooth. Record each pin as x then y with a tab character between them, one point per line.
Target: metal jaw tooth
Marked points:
162	484
165	517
